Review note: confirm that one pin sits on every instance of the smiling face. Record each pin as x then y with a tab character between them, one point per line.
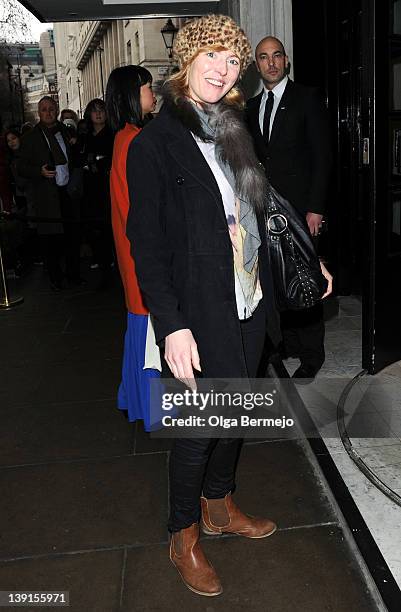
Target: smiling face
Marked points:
271	61
211	75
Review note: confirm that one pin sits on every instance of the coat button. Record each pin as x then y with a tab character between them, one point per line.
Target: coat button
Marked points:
180	180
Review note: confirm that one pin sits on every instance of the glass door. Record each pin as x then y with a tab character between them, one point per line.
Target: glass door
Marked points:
381	130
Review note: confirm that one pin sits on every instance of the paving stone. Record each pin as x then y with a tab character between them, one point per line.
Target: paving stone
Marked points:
93	580
299	570
83	505
275	479
69	430
149	443
79	381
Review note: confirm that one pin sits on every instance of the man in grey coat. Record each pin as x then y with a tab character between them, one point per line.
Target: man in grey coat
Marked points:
45	159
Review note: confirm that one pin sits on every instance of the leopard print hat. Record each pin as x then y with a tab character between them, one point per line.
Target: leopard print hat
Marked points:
212	30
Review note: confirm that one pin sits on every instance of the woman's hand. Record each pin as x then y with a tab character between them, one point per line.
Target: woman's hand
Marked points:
329	278
181	354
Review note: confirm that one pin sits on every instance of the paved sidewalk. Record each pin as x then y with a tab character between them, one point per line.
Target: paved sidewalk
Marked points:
85	494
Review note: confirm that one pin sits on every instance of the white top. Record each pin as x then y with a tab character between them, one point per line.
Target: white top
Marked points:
62	172
227	193
152	351
278	91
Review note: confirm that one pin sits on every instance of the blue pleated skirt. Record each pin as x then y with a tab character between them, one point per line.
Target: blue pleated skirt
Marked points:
134	390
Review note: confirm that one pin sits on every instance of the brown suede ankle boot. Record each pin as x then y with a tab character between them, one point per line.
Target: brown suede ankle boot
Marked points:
223	516
188	557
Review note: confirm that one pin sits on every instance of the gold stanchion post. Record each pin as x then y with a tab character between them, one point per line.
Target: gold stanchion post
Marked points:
5	301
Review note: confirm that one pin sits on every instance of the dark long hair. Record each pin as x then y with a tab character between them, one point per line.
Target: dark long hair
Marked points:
123	96
15	132
92	106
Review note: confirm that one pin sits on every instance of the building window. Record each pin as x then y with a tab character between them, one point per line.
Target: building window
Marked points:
129	53
136	48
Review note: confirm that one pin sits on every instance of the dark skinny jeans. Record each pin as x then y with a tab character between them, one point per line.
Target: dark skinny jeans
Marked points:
203	466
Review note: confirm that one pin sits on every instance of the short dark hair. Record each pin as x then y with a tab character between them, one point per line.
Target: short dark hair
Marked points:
48	99
123	96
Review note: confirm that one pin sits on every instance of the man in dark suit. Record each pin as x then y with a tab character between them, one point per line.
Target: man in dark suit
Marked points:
290	129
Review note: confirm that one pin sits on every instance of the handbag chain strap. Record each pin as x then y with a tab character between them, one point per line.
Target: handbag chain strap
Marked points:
303	276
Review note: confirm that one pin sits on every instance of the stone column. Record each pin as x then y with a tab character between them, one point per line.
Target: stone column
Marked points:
260	18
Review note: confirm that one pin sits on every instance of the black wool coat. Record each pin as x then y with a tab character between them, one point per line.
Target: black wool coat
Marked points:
97	172
297	159
182	249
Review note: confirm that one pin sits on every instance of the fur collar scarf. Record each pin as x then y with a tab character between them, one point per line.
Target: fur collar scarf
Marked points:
232	140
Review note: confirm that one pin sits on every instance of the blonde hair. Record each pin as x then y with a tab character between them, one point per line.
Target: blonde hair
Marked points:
179	82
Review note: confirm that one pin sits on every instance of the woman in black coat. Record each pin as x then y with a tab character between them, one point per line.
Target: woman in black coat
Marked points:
96	151
196	192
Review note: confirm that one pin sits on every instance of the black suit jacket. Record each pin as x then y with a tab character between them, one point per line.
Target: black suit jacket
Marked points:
298	158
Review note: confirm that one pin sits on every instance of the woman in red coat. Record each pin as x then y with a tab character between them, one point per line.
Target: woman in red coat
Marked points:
129	98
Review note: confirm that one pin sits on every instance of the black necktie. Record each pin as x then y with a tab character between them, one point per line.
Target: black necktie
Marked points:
268	114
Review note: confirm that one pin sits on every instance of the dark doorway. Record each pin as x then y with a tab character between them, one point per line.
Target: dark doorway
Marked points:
382	126
327	52
353	51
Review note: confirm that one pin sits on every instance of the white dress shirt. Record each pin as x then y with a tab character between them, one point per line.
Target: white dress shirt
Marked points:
278	91
62	172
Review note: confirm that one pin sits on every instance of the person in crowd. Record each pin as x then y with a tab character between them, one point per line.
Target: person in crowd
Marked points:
68	113
20	189
45	159
71	129
96	150
129	99
82	128
197	194
13	141
6	194
11	230
30	251
26	127
289	125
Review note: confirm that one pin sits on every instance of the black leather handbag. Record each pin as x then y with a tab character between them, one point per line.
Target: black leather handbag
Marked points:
298	279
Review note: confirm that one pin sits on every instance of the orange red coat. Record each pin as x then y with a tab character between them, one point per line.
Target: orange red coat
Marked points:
119	212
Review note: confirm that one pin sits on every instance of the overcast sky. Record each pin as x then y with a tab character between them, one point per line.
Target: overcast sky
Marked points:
37	28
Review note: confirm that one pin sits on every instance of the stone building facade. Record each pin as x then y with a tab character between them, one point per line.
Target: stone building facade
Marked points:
68	75
88	51
46	44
